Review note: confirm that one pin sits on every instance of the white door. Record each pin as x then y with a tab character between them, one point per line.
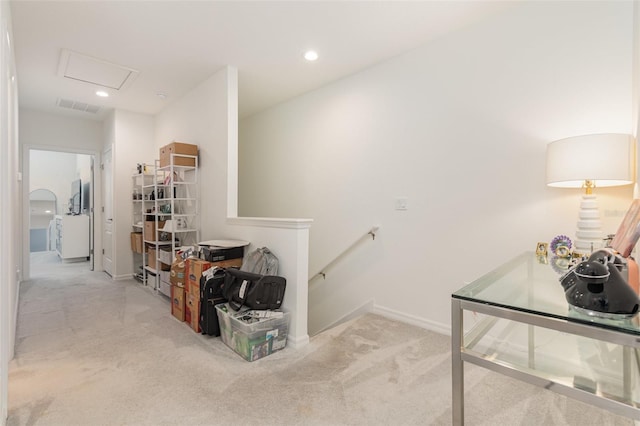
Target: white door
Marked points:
107	198
91	215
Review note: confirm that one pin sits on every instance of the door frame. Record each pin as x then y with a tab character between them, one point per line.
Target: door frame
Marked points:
104	214
96	220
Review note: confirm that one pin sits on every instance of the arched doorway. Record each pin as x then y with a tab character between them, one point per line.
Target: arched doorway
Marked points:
43	206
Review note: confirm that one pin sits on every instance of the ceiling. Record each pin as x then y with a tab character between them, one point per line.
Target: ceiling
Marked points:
172	46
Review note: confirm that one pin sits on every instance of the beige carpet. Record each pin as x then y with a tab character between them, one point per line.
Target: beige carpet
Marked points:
91	351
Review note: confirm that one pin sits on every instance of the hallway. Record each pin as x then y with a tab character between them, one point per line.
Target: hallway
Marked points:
92	351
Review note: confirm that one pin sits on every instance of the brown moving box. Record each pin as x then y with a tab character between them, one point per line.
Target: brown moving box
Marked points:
151	260
150	229
178	148
139	243
192	311
196	268
177	302
178	272
136	242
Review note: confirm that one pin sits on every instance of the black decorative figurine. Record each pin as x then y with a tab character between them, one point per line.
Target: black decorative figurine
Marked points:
598	287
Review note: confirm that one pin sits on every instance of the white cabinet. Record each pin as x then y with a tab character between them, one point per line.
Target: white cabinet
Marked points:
72	237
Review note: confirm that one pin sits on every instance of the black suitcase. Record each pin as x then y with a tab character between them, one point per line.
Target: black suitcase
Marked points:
211	295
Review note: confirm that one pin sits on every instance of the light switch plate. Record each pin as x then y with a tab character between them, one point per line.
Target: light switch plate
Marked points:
402	203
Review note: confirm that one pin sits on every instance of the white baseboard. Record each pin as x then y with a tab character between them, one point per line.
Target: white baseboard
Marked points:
12	346
298	342
371	306
412	319
361	310
121	277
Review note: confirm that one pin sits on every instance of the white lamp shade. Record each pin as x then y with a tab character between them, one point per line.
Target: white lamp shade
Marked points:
607	159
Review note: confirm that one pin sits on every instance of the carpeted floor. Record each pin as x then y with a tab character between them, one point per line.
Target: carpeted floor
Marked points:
91	351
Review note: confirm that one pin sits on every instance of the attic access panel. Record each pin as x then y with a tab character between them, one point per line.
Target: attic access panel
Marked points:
86	69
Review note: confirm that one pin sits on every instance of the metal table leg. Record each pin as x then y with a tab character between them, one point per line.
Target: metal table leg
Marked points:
457	367
626	373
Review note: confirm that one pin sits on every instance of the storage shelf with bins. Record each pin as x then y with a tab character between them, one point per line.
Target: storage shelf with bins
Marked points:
152	222
175	214
141	182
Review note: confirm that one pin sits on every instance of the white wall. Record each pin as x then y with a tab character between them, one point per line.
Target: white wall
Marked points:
207	116
200	118
10	207
59	132
459	127
635	119
54	170
45	131
133	143
83	167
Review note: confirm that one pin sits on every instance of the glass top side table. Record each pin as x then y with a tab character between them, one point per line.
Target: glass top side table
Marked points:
520	325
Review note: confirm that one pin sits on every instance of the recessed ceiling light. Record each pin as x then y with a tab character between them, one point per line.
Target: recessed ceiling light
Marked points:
161	95
102	94
311	55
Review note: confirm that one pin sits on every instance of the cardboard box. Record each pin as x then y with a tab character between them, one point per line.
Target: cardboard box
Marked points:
187	311
151	259
193	288
192	312
178	148
150	229
196	267
136	242
193	284
177	302
178	274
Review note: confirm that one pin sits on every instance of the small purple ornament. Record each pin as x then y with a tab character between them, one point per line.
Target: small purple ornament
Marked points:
560	240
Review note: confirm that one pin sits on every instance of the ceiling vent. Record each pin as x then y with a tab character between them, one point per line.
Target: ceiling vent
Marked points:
86	69
78	106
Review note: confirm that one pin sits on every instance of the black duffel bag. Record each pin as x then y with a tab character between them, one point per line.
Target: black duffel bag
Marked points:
254	291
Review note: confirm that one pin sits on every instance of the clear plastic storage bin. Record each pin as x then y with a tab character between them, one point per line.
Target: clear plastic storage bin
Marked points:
253	334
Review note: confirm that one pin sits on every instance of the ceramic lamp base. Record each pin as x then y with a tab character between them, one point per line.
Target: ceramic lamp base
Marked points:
589	232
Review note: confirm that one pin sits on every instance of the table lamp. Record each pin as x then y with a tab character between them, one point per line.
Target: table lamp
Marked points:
588	162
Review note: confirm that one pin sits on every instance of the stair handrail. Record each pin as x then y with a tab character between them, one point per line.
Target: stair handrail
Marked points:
322	273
